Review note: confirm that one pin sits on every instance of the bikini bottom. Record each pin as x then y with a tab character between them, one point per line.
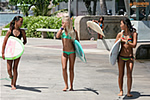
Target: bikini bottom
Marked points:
68	53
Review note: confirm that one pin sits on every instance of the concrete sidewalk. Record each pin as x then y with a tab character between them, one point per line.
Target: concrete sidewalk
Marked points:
40	75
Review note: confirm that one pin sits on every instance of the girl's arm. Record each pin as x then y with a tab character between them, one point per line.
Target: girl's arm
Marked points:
118	37
95	21
61	30
59	33
77	38
24	37
133	45
4	43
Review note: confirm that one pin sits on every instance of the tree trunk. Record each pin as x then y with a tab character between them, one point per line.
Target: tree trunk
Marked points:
103	7
69	8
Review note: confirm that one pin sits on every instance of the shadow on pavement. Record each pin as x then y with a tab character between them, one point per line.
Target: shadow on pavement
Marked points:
135	95
88	89
34	89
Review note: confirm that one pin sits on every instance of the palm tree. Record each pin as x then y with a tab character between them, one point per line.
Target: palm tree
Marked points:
103	7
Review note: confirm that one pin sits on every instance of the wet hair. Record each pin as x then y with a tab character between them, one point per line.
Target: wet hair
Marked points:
12	23
102	19
127	22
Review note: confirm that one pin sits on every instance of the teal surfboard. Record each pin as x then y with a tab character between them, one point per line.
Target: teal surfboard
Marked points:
14	48
79	51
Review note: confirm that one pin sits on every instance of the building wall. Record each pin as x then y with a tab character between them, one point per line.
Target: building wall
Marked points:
82	10
111	26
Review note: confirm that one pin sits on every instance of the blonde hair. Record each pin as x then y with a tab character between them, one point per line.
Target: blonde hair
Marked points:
69	28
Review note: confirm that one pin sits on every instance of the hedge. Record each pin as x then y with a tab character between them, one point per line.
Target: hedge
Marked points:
32	23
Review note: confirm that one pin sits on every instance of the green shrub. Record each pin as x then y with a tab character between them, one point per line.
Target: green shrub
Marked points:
32	23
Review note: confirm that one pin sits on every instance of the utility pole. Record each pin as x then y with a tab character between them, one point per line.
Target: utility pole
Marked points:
137	11
69	8
147	9
0	3
76	7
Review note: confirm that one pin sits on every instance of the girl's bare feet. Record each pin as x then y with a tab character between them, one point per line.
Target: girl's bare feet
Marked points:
121	93
71	89
13	87
129	95
65	89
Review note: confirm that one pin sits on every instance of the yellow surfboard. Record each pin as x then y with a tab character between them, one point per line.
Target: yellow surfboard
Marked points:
94	26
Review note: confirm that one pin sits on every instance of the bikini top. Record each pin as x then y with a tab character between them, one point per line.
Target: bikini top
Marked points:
101	25
66	37
19	37
130	39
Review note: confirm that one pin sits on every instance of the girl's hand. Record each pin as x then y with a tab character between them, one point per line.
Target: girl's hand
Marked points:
24	42
63	25
3	56
125	41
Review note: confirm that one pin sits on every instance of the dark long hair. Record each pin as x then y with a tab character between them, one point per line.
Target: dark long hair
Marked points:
12	23
127	22
102	20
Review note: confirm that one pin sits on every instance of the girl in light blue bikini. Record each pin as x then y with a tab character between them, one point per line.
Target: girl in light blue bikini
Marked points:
69	34
100	22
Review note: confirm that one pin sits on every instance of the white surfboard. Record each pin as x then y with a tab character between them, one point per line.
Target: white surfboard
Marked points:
14	48
114	52
79	51
94	26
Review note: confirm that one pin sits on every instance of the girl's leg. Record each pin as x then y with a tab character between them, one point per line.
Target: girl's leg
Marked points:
98	36
101	36
15	73
64	60
9	69
71	69
129	66
121	65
